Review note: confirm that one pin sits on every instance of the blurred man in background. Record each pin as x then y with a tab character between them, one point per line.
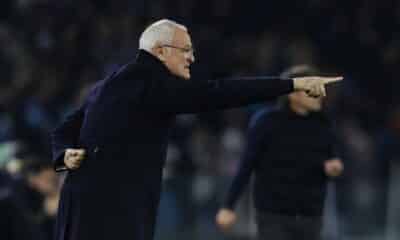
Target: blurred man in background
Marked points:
115	144
31	195
290	150
43	183
14	222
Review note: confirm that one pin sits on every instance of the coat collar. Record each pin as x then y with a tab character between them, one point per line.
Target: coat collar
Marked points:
147	60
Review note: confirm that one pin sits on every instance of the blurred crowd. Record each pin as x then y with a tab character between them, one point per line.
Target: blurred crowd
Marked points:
52	51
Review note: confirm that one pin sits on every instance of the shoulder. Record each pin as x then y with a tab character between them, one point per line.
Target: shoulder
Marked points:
127	77
128	70
266	115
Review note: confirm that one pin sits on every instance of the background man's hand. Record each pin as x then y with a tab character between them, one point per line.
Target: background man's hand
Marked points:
73	158
314	86
225	218
333	167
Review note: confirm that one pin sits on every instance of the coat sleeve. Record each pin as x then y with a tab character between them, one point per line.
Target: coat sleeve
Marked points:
66	136
256	144
183	96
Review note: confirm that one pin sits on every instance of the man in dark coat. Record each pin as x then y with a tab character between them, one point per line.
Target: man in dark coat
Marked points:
114	145
290	150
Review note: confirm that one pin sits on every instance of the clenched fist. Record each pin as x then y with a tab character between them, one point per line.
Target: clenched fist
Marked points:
314	86
333	167
225	218
73	158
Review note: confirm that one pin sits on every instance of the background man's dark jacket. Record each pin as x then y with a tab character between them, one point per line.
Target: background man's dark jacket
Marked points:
286	152
124	126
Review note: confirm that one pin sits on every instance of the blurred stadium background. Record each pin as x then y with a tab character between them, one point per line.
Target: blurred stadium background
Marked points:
51	51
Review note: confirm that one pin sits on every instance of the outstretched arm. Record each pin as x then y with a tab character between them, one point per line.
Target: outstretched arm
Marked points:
175	95
182	96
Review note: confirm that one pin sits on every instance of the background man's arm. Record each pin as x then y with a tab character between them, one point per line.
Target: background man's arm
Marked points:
255	145
226	216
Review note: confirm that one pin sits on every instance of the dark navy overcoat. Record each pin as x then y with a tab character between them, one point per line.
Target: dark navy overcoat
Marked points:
123	125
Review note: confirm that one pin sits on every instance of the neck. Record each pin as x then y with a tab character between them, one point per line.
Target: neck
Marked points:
298	109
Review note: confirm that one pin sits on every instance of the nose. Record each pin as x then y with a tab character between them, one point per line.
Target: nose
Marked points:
191	58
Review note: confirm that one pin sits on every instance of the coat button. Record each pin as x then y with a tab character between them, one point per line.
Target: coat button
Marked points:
96	149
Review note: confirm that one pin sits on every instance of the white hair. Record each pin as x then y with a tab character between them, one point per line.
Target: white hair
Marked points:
160	32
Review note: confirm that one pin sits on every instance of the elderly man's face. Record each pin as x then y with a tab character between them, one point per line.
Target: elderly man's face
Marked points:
178	56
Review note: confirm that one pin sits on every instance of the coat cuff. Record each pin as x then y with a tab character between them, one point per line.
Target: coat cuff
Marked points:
59	165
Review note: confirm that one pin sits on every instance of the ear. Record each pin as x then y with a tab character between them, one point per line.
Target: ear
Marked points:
160	53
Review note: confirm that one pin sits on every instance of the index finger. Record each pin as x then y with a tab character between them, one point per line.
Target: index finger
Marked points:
327	80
